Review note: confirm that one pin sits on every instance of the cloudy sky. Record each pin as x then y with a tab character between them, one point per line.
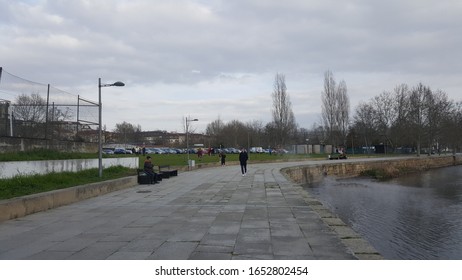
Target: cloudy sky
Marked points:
217	59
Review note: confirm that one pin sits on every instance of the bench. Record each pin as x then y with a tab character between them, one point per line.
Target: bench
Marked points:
144	178
166	172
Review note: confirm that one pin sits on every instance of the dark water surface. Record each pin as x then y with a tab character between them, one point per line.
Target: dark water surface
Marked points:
418	216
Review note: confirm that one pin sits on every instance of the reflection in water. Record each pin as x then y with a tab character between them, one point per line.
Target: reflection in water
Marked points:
414	217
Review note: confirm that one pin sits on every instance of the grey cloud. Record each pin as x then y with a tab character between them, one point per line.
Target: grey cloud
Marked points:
152	44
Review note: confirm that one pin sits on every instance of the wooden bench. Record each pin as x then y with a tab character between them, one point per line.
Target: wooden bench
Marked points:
166	172
144	178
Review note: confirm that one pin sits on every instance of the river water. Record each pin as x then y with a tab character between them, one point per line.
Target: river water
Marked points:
418	216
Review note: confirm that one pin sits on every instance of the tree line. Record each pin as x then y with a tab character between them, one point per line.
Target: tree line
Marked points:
415	118
407	119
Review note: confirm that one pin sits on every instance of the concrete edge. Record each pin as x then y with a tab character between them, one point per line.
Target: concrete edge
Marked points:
22	206
353	241
360	247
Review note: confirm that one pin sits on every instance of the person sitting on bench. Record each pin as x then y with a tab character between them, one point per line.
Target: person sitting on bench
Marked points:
149	170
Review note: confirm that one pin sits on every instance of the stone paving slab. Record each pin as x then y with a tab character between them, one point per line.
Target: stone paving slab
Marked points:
212	213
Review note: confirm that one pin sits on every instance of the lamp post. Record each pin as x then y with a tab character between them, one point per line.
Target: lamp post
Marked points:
188	120
100	131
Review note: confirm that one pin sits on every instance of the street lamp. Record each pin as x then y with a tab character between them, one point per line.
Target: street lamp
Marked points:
187	137
100	143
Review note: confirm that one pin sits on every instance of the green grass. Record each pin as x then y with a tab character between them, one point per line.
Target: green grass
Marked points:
24	185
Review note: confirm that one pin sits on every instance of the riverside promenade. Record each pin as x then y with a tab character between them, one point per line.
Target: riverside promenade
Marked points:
205	214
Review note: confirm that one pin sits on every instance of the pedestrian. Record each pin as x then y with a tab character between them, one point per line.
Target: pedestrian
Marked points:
223	158
243	157
149	170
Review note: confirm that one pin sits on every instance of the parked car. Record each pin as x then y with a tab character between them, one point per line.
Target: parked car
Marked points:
179	151
233	151
170	151
258	150
157	151
337	156
148	151
108	152
119	151
192	151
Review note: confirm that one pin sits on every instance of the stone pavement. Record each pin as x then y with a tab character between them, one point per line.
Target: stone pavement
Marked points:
210	213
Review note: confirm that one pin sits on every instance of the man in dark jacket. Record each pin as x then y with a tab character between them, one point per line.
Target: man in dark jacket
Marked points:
243	157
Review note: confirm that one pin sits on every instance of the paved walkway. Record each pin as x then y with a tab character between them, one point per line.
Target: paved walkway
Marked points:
211	213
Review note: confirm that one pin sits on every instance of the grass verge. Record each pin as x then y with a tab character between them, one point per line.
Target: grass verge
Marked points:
24	185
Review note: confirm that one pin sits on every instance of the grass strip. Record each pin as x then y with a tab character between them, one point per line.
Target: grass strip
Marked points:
21	185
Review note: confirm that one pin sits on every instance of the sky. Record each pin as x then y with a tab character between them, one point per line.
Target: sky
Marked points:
214	60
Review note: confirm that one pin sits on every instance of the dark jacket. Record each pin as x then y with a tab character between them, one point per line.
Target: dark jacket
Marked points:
243	156
148	167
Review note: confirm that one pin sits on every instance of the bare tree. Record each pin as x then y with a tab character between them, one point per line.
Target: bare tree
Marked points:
400	124
329	105
438	107
29	113
283	116
271	135
318	134
363	123
385	114
451	132
30	108
343	113
255	130
418	113
214	128
235	133
335	109
215	132
128	133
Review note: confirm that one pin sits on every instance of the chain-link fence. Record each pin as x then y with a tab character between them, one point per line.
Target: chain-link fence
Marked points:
38	111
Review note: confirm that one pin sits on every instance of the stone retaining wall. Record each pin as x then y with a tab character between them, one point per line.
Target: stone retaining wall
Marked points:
313	173
10	169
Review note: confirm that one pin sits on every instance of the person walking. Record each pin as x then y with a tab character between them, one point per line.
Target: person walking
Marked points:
243	157
223	158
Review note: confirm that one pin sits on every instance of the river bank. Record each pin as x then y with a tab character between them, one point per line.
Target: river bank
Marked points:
306	174
414	216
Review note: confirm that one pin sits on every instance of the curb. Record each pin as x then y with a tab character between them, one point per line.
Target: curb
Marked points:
360	247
